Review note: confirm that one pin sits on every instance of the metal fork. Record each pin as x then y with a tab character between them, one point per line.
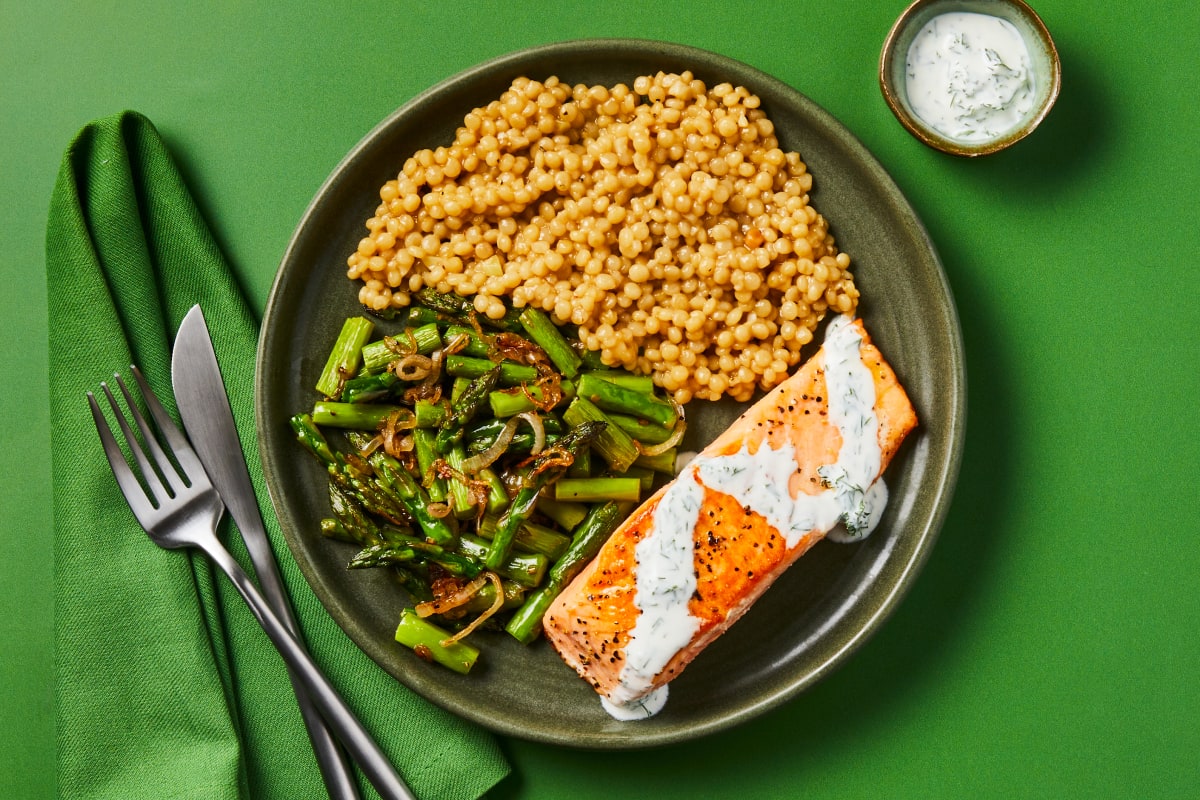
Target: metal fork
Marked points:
177	505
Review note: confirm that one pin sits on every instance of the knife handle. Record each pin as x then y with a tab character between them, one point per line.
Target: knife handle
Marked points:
331	760
344	724
208	417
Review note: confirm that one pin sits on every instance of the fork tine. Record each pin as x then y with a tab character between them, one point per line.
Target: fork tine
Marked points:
151	449
139	502
189	463
158	491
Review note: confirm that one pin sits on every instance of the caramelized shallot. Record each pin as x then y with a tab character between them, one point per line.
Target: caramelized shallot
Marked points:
453	600
497	604
488	457
394	441
412	367
671	441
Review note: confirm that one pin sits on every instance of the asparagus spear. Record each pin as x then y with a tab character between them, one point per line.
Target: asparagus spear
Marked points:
426	639
356	416
463	309
457	388
497	499
509	322
642	384
613	444
485	431
544	469
521	444
379	555
377	355
592	490
644	474
416	584
332	529
514	596
663	462
589	359
462	503
642	430
581	467
394	477
430	414
375	498
510	402
369	388
346	355
474	398
527	569
611	397
542	331
450	304
409	548
586	541
511	372
308	435
434	484
417	587
567	515
350	479
410	317
530	538
355	524
476	347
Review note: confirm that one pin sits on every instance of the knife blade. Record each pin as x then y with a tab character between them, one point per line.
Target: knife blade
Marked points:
208	418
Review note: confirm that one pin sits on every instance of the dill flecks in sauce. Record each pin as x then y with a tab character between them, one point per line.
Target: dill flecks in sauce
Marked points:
854	494
665	582
969	76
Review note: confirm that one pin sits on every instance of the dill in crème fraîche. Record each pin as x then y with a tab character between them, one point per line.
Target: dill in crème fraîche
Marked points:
662	220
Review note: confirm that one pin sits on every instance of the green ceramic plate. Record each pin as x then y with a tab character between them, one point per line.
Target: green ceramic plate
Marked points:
817	613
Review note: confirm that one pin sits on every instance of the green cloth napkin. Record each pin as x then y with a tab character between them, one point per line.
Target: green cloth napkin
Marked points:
166	686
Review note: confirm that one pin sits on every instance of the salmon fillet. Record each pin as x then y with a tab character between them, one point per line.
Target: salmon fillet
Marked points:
773	484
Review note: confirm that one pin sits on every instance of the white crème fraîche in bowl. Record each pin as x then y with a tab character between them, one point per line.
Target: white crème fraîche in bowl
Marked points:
969	77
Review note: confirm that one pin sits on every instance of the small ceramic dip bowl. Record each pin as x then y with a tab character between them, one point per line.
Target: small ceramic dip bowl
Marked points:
969	77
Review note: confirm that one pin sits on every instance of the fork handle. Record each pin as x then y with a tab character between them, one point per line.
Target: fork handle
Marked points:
341	720
331	761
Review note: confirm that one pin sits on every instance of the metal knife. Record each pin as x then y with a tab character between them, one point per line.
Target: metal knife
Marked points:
204	409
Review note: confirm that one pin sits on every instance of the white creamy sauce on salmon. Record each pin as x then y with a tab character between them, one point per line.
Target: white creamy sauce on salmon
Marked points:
666	581
665	575
859	495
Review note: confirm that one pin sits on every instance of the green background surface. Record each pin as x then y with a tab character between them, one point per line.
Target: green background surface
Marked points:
1050	647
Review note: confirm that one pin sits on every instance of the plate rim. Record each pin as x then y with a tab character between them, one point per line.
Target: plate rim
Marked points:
949	457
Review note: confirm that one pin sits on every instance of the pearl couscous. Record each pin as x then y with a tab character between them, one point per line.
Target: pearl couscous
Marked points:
662	220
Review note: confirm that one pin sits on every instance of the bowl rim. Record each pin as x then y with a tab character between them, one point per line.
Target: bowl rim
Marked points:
920	129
